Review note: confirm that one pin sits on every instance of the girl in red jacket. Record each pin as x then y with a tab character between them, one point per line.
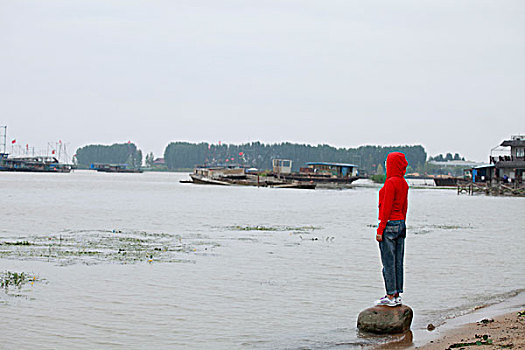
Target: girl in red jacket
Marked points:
391	232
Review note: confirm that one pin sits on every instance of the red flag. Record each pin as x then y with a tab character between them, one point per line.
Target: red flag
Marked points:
232	158
227	160
129	142
27	146
240	153
219	143
53	152
60	141
14	141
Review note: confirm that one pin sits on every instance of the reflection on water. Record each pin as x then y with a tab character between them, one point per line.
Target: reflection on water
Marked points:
268	268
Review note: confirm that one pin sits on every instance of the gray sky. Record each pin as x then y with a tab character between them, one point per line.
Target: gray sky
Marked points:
446	74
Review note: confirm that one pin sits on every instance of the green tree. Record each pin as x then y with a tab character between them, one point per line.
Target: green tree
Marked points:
186	155
123	153
150	158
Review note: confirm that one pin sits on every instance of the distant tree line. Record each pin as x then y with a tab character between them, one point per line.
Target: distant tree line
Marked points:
118	153
184	155
447	157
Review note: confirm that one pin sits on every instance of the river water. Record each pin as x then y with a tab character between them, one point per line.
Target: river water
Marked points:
142	261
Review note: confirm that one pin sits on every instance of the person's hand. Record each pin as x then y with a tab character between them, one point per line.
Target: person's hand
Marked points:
379	238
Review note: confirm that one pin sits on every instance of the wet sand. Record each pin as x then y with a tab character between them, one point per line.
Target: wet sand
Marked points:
502	332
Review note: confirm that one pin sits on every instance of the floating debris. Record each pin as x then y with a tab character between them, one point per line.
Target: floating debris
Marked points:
486	321
482	340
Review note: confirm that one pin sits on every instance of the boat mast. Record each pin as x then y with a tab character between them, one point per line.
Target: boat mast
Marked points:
4	134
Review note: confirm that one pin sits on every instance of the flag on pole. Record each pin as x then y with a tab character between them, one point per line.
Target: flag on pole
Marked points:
14	141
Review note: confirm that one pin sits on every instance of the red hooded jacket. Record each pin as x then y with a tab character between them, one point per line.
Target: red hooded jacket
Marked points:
393	201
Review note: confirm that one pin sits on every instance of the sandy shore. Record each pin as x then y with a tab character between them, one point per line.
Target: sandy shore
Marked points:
502	332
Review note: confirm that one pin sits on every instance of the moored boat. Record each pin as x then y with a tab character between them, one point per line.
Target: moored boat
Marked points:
324	174
237	175
38	164
114	168
447	181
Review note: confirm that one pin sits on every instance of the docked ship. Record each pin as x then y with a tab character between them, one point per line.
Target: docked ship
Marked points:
36	164
39	164
115	168
324	174
236	175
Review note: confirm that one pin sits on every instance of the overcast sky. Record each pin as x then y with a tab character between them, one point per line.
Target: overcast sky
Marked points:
449	75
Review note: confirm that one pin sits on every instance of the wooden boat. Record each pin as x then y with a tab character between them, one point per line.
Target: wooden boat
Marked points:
447	181
325	174
301	185
234	175
202	180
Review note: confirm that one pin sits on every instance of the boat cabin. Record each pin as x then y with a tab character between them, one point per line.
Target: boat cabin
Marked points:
339	170
511	167
282	166
481	173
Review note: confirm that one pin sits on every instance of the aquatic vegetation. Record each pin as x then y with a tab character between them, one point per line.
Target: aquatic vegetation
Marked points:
111	246
451	227
16	280
13	279
274	228
254	228
17	243
424	229
420	231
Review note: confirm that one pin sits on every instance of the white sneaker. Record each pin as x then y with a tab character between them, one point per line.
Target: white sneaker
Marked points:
386	301
398	300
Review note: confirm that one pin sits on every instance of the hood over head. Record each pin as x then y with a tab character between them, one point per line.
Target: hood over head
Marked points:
396	164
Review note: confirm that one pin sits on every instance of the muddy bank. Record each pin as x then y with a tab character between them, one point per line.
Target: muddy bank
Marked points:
502	332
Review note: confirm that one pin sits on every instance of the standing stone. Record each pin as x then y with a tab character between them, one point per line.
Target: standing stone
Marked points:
385	319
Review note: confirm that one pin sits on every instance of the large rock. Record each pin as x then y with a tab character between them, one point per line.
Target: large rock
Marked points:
385	319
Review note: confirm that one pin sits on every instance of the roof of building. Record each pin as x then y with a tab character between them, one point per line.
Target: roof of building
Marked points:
333	164
513	143
453	163
484	166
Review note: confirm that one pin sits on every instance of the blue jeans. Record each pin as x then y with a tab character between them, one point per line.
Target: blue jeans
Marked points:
392	249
